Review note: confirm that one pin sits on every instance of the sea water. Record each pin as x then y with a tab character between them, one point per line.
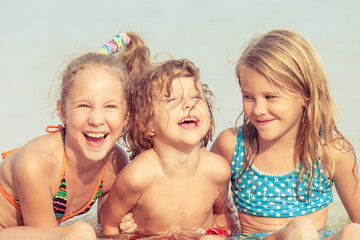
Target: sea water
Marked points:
39	37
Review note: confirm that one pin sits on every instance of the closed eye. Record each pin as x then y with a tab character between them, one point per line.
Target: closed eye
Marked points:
270	97
170	100
198	97
84	106
247	97
111	106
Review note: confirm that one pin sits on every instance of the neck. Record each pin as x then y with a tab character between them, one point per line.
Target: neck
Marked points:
276	155
178	162
79	166
276	145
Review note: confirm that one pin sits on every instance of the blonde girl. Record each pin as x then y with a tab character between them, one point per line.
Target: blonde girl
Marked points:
60	175
288	153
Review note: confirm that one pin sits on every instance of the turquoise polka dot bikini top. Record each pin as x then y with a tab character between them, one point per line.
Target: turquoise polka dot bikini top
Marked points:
269	195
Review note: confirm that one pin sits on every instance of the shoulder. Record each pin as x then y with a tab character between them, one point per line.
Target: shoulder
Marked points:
39	159
139	174
224	144
229	132
40	153
338	158
216	165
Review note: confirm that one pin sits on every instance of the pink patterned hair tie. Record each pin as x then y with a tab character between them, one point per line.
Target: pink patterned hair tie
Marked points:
114	45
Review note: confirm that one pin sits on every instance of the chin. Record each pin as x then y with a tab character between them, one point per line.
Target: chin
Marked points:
96	155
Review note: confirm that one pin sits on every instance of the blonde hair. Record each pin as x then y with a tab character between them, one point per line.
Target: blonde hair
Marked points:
144	91
289	62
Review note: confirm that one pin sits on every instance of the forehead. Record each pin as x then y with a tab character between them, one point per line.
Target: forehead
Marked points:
102	73
177	84
96	80
277	82
251	78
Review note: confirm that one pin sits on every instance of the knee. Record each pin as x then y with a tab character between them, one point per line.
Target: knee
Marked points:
350	231
301	223
80	231
300	228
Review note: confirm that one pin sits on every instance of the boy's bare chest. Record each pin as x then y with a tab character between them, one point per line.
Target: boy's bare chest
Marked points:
171	204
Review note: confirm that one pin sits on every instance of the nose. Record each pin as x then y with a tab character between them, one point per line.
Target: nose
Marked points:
96	117
189	103
259	108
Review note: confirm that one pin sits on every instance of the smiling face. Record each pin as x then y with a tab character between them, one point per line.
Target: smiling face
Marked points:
181	118
94	112
276	113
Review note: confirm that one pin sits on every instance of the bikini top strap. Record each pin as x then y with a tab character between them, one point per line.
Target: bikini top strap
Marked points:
7	153
57	128
63	171
47	129
91	200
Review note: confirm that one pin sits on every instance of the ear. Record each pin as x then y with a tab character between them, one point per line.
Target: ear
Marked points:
61	111
152	132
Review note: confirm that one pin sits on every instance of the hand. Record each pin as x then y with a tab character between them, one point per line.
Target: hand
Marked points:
201	231
127	224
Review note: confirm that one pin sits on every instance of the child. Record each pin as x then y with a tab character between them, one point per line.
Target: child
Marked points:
288	152
57	176
172	182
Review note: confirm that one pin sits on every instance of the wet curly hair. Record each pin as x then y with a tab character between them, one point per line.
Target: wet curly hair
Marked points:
144	91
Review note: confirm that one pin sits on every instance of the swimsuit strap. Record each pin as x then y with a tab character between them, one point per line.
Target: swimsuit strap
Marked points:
56	128
60	198
91	201
7	153
47	129
13	200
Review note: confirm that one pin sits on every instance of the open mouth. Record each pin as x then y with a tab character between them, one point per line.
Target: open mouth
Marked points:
95	137
189	122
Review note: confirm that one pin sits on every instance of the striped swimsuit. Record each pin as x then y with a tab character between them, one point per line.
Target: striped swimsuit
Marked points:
60	198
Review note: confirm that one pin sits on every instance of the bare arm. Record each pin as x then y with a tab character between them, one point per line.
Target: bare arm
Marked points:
346	179
222	174
219	208
122	198
115	161
100	206
222	219
31	180
224	144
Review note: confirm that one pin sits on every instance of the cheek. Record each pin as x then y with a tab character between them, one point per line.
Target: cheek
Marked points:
290	107
117	120
247	108
76	118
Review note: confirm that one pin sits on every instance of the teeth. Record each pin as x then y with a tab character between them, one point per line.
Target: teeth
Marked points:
96	135
189	119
